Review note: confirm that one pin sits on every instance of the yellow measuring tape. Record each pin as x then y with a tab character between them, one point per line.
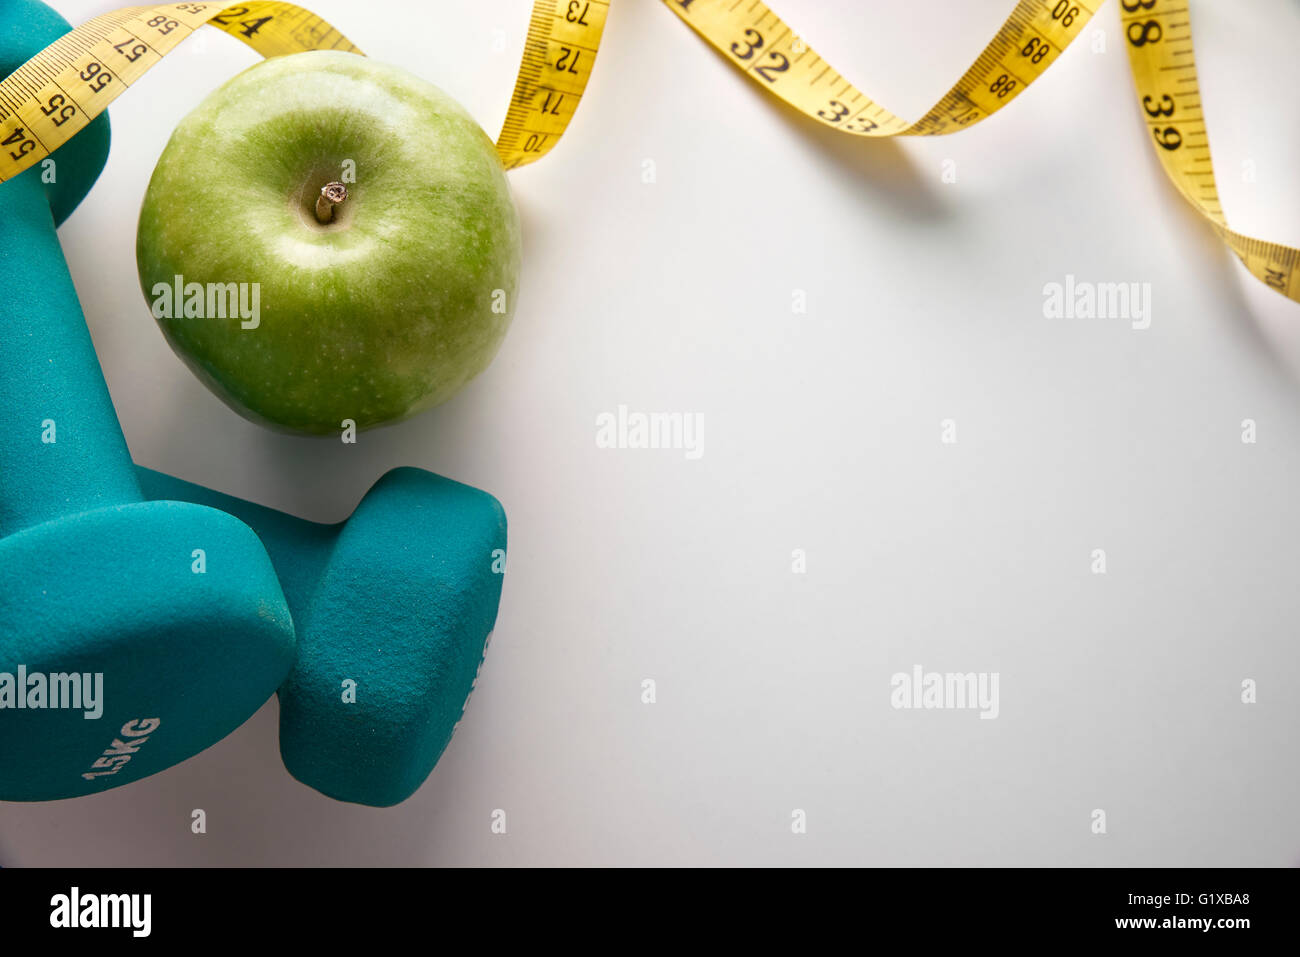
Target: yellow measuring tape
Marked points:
1158	34
57	92
756	41
65	86
60	90
563	36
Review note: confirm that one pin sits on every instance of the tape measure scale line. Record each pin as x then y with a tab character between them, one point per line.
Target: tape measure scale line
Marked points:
1157	41
60	90
279	29
21	91
1033	37
763	47
559	53
38	76
56	93
1158	34
767	50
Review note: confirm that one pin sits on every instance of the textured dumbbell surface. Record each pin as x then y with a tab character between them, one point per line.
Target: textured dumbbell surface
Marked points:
393	609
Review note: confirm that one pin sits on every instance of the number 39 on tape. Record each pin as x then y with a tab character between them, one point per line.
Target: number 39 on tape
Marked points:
1157	34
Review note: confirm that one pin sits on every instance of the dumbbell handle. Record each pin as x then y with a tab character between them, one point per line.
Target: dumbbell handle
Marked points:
61	448
299	549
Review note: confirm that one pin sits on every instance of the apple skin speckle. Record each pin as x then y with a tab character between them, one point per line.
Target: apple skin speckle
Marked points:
387	310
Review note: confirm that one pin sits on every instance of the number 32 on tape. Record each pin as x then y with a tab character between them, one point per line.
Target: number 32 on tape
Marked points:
1157	34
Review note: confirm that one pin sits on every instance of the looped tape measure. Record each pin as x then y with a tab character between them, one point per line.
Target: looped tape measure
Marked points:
61	89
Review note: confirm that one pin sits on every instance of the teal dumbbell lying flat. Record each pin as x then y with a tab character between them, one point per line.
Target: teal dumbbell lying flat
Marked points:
133	634
394	608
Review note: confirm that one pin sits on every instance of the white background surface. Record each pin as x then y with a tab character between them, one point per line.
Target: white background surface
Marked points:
822	432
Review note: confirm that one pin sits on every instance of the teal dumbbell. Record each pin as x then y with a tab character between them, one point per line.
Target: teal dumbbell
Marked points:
133	633
394	608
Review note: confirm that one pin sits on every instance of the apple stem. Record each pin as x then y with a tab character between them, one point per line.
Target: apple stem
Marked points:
331	194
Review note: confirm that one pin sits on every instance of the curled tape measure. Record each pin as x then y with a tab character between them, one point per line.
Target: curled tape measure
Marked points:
61	89
1158	34
756	41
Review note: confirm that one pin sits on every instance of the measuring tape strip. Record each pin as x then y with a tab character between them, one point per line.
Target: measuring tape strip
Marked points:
61	89
563	37
1159	38
757	42
56	93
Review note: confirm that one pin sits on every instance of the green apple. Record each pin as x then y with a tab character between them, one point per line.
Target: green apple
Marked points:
299	312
